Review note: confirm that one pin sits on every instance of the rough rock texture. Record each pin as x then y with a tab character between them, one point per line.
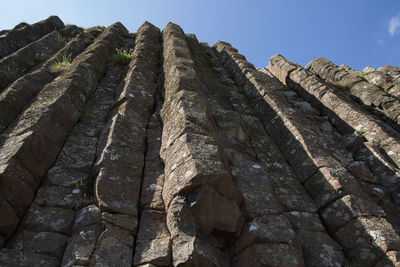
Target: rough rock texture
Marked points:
190	156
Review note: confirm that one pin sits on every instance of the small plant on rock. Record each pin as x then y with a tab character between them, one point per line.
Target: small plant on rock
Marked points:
123	56
61	64
82	187
241	90
359	132
253	113
38	58
60	40
363	74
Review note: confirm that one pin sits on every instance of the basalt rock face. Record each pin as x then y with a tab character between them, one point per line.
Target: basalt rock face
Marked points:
190	156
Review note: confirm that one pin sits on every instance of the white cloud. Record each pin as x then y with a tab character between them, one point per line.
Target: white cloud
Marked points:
394	24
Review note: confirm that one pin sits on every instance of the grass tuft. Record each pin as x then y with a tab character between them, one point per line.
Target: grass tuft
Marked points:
363	74
82	187
61	64
60	40
38	58
123	56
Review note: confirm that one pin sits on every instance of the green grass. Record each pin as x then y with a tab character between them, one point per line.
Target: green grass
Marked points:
253	113
14	72
38	58
83	188
61	64
60	40
122	56
241	90
363	74
359	132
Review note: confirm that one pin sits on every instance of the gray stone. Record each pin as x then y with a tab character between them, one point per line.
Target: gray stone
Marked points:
224	215
266	229
153	244
81	245
270	254
49	219
127	222
368	239
114	248
187	247
152	186
392	258
319	249
59	196
52	244
16	186
346	209
11	258
328	184
8	219
87	216
117	189
305	221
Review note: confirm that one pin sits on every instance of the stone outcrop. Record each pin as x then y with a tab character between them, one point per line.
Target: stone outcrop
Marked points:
190	156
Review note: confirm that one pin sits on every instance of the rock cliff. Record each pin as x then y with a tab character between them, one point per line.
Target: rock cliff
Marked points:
153	149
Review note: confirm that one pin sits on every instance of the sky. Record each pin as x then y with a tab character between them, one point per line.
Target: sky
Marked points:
357	33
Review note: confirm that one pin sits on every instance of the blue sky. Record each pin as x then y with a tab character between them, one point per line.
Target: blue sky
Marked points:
357	33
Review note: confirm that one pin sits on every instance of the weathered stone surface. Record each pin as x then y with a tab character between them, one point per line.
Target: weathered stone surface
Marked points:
200	168
329	184
49	219
347	208
392	258
75	159
59	196
16	185
8	219
25	259
267	229
81	245
319	249
121	162
368	239
342	106
196	157
87	216
153	243
270	254
187	248
127	222
114	248
19	37
195	169
153	176
86	230
368	93
22	91
153	182
49	243
109	185
259	196
305	221
22	61
56	107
